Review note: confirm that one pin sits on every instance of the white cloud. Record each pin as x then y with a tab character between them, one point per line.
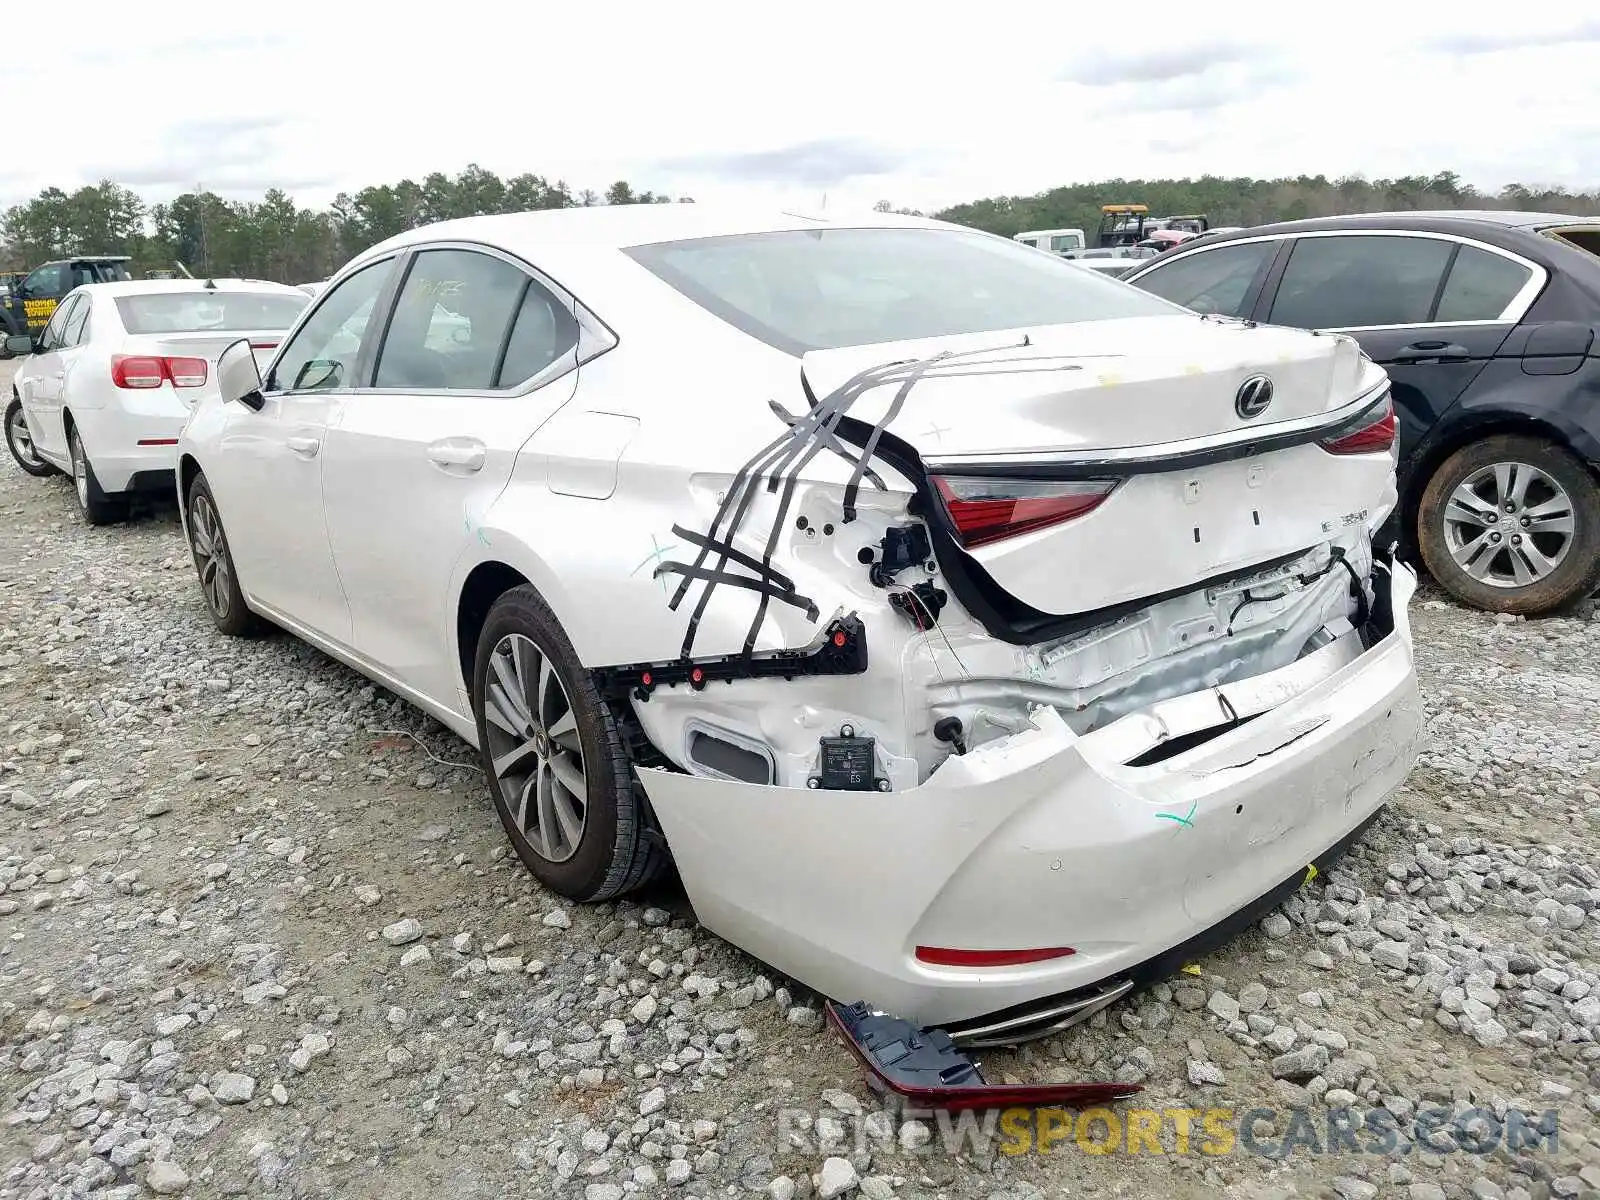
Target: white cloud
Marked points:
923	104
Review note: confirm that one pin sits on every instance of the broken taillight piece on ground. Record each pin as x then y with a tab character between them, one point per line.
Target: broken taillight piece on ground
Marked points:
924	1067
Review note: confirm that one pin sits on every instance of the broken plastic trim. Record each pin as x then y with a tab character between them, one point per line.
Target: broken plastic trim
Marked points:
842	650
924	1067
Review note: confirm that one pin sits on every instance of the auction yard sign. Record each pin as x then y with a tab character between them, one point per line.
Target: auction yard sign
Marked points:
1275	1133
38	312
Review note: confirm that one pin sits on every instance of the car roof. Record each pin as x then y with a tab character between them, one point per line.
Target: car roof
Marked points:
618	226
1485	223
145	287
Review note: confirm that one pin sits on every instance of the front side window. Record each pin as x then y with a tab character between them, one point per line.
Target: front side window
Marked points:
1211	281
203	310
52	337
1481	286
819	289
453	325
322	353
1355	280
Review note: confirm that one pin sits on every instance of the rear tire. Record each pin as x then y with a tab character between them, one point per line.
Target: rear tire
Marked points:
1512	524
98	506
213	563
563	785
19	440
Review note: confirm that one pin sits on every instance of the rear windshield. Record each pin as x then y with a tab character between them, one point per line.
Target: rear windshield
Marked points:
198	312
826	288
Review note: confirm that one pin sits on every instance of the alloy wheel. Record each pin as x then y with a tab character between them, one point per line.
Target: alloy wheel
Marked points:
80	471
22	438
211	555
534	747
1509	525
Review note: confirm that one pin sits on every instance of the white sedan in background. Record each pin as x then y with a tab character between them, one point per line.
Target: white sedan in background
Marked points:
978	634
109	382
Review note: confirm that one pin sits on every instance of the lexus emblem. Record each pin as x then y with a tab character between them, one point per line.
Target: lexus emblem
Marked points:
1253	398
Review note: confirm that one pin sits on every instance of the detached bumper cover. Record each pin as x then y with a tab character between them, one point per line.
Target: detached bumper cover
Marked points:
1047	838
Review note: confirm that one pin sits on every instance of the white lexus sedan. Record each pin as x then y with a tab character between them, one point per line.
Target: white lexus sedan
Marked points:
978	635
108	383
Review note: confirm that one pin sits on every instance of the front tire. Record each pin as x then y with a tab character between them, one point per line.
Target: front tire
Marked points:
1512	524
213	562
98	506
562	782
19	439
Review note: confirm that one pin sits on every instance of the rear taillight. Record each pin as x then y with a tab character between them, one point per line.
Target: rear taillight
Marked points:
144	371
1371	438
988	510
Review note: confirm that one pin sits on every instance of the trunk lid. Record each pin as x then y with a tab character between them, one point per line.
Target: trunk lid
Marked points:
1095	385
209	345
1001	413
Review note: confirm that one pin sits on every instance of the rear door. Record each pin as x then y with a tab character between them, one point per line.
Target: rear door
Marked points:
478	353
1431	309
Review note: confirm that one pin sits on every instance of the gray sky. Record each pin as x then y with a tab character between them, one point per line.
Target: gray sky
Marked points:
925	104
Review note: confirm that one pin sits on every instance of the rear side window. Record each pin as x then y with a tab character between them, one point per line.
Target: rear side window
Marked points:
1360	279
1481	285
72	332
545	330
819	289
1212	281
200	310
452	327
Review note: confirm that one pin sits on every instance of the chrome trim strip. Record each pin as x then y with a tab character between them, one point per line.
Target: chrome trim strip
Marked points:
1041	1022
1162	456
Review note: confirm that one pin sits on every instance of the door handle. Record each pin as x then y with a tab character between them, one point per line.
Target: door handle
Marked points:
1441	350
304	446
458	453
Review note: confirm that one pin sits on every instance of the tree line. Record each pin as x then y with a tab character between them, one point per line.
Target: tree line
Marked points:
275	238
271	238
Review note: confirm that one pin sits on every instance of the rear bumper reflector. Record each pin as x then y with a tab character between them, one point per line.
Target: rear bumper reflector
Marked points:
158	441
939	956
924	1067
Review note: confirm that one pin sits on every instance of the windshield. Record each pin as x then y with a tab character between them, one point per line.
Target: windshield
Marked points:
202	311
822	289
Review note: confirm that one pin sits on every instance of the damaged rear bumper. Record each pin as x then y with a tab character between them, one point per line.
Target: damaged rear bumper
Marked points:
1125	844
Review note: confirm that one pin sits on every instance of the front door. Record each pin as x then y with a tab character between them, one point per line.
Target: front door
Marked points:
41	381
477	356
270	496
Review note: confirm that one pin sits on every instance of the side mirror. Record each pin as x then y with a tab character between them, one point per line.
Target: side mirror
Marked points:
238	377
19	343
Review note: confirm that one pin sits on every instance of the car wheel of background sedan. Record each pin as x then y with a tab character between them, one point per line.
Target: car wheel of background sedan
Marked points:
213	562
20	440
1512	524
98	507
562	782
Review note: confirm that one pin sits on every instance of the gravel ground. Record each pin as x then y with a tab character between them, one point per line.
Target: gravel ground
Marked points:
260	934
